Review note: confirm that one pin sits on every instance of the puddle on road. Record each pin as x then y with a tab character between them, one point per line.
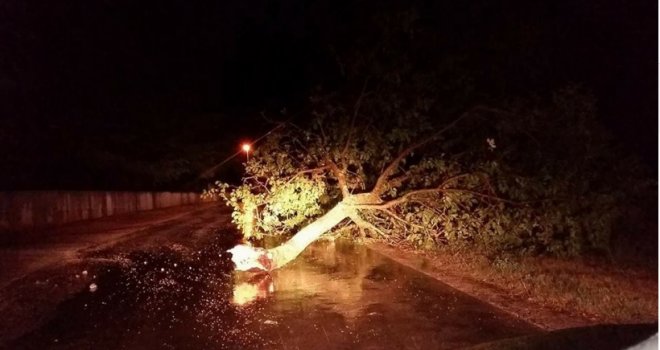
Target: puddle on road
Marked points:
337	295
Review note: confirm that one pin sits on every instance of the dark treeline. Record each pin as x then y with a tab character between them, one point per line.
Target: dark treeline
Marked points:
128	95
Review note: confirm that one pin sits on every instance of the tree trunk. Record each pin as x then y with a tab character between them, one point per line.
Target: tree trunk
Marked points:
288	251
249	258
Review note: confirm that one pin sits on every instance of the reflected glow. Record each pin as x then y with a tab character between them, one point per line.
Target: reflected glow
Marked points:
324	272
245	293
258	287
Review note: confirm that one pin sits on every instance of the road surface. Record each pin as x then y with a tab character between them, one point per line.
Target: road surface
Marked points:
165	281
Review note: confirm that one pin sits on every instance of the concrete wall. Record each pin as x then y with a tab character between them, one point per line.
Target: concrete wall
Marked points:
27	210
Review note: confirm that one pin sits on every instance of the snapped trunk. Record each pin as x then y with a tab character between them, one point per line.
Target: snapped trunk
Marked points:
288	251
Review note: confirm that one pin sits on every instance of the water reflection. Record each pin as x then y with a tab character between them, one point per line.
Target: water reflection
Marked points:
329	271
256	287
336	295
341	295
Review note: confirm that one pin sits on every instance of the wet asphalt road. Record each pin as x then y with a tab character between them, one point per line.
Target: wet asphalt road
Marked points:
160	291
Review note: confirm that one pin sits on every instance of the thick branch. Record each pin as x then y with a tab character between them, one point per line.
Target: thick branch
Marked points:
308	171
341	178
288	251
249	258
439	189
398	201
405	198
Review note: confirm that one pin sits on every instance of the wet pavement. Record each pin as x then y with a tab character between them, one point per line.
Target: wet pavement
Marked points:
337	295
27	252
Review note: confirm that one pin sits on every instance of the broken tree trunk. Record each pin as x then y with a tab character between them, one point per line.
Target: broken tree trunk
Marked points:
293	247
249	258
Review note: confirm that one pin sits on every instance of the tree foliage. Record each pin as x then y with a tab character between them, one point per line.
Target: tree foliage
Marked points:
412	149
532	176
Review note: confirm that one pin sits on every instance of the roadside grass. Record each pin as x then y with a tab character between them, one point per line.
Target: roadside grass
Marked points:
593	289
604	292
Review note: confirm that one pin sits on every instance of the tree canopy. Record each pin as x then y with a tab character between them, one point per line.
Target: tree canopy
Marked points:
410	149
530	176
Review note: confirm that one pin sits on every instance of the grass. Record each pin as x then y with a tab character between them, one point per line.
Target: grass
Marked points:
595	291
608	294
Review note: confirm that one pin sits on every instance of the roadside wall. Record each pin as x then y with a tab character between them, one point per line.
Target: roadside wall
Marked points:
28	210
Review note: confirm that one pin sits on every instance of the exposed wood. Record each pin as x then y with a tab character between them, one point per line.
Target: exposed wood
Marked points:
288	251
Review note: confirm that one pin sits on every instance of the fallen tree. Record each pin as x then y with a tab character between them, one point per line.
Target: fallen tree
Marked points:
357	207
384	169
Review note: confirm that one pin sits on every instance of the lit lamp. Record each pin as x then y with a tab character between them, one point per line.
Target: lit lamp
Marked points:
246	148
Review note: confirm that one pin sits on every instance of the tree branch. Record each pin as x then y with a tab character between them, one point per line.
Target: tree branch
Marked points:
323	137
398	218
366	224
380	187
439	189
356	110
397	181
486	196
308	171
341	178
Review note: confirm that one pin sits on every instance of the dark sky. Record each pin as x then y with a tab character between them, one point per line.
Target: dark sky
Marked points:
98	94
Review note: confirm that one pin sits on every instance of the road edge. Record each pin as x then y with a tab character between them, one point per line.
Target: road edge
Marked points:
542	317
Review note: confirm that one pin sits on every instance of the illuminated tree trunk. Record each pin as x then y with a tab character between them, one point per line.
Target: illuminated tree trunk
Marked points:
250	258
247	258
288	251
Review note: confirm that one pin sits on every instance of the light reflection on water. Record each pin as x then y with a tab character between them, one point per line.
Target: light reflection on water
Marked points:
341	293
258	287
335	295
328	270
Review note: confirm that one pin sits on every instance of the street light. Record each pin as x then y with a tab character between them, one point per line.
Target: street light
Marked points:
246	148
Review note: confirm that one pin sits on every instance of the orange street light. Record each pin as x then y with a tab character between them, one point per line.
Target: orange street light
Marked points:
246	148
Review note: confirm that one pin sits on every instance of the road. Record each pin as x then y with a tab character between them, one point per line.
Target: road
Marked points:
165	281
25	253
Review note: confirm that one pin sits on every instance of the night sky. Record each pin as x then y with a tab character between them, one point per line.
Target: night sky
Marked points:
106	94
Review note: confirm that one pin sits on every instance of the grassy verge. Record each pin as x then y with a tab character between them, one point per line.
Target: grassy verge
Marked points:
552	293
